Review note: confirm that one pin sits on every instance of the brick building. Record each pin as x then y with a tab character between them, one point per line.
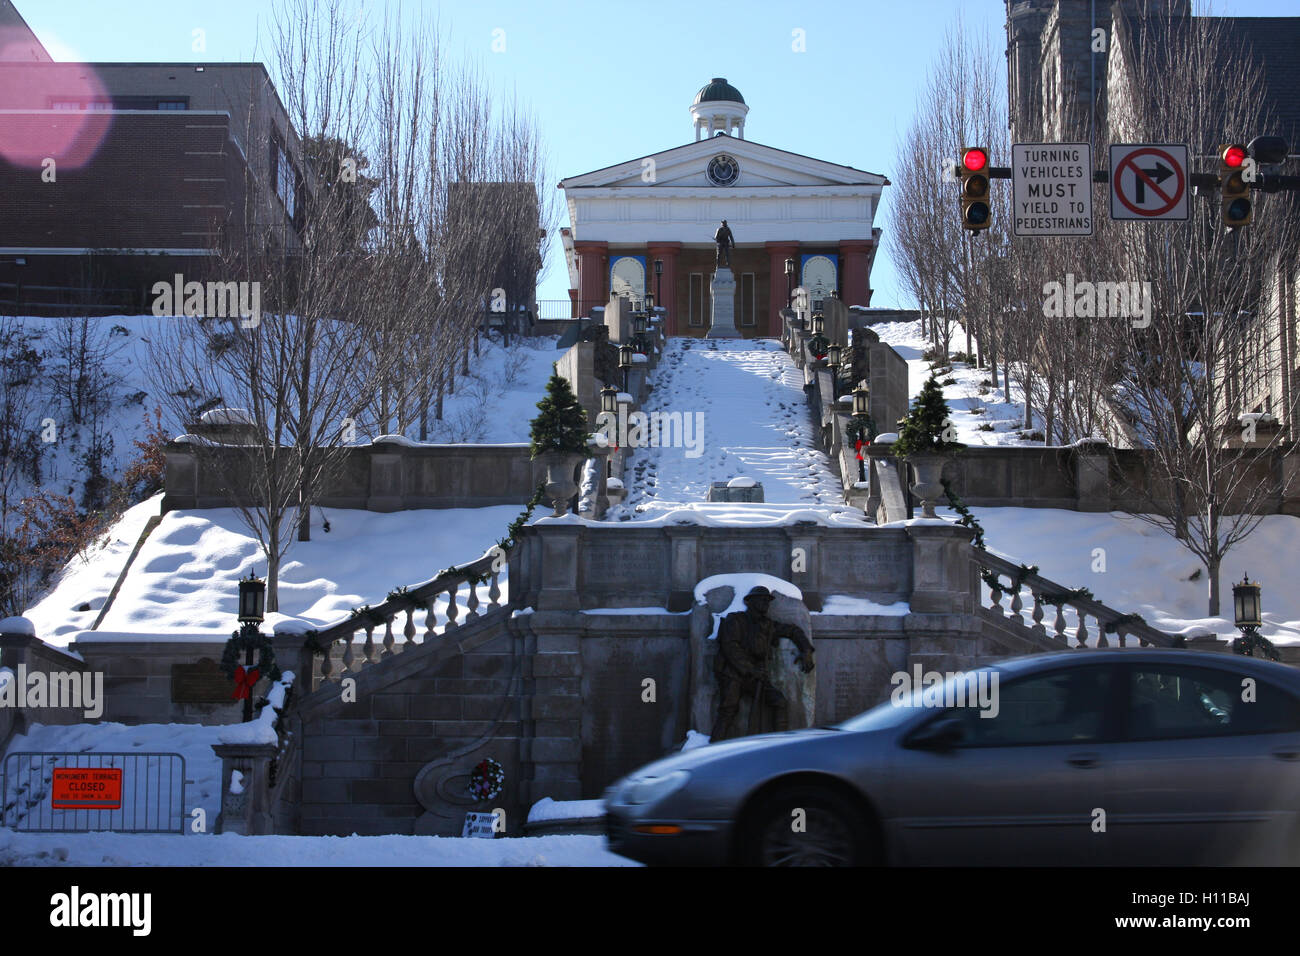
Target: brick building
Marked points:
664	208
114	176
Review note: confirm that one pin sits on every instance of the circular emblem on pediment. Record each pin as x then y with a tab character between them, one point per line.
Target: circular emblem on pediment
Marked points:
723	170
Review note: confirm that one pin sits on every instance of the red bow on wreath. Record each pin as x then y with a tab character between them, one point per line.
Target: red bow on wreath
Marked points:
860	444
245	681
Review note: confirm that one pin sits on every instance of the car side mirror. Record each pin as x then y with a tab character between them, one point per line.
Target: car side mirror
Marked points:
942	733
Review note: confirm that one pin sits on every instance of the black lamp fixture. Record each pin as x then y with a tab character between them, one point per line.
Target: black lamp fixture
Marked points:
609	399
818	323
861	401
625	362
252	599
1245	604
659	275
1246	614
789	282
834	354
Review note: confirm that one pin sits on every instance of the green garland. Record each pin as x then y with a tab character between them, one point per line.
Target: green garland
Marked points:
1120	621
512	532
968	520
1249	643
1057	598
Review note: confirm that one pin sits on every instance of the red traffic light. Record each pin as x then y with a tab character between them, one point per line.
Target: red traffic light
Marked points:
1234	156
975	159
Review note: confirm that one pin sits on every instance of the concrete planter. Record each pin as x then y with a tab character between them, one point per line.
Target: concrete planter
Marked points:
929	484
560	486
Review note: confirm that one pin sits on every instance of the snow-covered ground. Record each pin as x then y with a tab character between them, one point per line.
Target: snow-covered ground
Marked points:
748	396
1145	570
973	404
185	579
133	849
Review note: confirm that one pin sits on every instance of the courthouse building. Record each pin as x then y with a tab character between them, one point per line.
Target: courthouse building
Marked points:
646	225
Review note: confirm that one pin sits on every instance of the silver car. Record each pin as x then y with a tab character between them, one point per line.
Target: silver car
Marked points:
1104	757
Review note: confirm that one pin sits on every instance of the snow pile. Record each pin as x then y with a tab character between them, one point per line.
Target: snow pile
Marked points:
847	604
695	739
261	729
497	401
546	810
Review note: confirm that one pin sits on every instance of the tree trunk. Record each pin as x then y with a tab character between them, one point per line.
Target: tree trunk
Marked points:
1212	568
273	573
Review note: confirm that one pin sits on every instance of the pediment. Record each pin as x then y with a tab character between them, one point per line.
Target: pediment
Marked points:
760	166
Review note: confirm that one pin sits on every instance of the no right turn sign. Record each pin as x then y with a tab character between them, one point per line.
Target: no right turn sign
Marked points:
1148	182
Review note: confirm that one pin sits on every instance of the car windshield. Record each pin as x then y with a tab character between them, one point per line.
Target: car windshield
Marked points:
907	699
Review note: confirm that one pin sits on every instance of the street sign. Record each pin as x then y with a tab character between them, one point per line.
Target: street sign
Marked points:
1051	189
1148	182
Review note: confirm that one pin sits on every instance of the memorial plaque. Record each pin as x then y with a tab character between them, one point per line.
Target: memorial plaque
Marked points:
479	825
201	683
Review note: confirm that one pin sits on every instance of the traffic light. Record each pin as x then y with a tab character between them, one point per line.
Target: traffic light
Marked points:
1234	192
973	171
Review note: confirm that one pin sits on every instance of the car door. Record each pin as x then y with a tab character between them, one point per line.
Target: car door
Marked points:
1208	772
1019	787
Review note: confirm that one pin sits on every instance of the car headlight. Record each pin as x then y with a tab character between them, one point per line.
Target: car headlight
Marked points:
653	789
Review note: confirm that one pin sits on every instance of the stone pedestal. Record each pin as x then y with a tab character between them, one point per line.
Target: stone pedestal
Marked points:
722	290
248	811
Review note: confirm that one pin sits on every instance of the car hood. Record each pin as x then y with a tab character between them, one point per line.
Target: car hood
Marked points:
710	753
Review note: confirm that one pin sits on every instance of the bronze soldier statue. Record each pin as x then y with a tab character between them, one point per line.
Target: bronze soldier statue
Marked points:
725	240
745	642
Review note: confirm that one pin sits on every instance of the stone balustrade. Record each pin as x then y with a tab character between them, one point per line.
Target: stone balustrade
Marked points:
441	601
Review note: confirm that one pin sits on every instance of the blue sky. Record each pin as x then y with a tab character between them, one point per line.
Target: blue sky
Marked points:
612	80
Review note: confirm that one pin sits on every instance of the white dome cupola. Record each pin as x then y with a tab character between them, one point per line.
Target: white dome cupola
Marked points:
719	108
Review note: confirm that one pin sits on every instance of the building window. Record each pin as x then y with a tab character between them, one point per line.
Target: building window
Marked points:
748	310
696	299
284	177
173	105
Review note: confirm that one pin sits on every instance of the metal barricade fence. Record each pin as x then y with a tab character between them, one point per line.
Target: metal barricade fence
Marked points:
81	792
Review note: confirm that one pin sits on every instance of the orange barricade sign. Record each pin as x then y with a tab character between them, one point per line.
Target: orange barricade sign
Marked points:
86	788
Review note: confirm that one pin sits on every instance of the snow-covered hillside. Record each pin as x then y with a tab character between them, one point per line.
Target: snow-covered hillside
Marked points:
185	580
981	413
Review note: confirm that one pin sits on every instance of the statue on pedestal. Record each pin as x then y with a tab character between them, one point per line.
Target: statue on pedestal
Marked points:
745	643
725	241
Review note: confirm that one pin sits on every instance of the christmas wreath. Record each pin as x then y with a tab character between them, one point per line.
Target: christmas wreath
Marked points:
486	780
232	663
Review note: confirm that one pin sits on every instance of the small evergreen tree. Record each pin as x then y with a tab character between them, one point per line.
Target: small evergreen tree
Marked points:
922	431
561	423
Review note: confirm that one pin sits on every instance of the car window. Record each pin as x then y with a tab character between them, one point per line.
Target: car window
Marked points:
1176	700
1058	707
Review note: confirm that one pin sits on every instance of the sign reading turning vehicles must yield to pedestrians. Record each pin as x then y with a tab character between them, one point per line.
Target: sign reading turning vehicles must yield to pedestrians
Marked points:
1148	182
1051	189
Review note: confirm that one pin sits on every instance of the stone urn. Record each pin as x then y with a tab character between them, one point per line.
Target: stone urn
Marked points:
560	486
929	481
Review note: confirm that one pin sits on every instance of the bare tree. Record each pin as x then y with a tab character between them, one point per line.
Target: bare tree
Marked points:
1187	379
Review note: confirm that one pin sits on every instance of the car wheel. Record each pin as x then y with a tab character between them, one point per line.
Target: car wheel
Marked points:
807	826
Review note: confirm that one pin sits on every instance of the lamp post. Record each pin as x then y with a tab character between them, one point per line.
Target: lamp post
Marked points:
789	282
659	275
834	353
625	362
252	607
862	426
1246	614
